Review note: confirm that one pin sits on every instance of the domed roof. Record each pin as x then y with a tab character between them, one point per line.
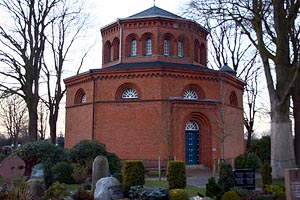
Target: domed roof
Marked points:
154	12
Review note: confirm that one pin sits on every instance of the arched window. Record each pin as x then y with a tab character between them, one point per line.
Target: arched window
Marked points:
148	47
83	98
80	97
190	94
233	99
202	54
130	93
133	48
166	47
191	125
180	48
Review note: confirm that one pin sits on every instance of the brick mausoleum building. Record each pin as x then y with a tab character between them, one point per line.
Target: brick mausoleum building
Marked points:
154	95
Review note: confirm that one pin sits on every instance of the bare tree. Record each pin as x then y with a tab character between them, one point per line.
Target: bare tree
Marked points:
228	46
272	28
42	121
23	37
14	117
69	26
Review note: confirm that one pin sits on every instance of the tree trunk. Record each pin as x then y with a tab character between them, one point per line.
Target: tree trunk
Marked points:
282	151
32	123
296	113
53	126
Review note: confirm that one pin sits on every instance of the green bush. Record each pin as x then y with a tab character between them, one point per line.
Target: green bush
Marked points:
40	152
56	191
114	162
278	191
213	189
247	161
178	194
262	148
133	174
230	195
86	150
62	172
176	175
266	174
80	173
226	177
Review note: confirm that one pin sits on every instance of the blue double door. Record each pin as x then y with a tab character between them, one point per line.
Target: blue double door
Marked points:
192	147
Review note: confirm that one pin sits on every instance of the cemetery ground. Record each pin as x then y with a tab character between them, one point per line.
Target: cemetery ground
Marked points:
52	172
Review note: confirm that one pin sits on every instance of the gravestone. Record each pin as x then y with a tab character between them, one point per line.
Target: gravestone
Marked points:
108	188
292	183
244	178
100	169
12	167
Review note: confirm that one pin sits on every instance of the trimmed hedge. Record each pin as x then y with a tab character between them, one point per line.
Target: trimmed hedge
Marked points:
133	174
176	175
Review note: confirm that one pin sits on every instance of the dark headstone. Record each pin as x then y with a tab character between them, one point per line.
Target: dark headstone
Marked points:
244	178
292	184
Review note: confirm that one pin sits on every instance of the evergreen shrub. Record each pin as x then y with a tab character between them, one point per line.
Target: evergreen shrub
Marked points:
247	161
133	174
62	172
178	194
226	178
86	150
266	174
40	151
213	189
176	175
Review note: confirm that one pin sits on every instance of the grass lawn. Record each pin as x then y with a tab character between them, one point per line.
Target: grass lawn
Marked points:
191	190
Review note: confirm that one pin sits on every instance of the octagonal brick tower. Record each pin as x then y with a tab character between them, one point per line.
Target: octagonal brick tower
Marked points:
154	96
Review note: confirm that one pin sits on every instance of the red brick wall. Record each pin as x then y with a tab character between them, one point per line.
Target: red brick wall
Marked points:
138	128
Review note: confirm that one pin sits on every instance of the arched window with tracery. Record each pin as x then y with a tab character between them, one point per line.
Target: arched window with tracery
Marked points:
80	97
166	47
148	47
180	48
190	94
233	99
133	47
130	93
127	91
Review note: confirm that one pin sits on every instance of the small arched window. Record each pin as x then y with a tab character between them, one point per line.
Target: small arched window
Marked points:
166	47
80	97
190	94
83	98
148	47
133	48
233	99
130	93
180	48
191	126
